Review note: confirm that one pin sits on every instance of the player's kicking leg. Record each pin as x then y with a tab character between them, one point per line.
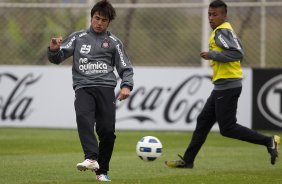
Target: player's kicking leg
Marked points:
88	165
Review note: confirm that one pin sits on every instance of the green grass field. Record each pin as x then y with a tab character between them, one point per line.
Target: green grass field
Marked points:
49	156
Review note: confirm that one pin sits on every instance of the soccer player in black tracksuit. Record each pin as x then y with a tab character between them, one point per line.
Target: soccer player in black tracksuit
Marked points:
225	54
96	52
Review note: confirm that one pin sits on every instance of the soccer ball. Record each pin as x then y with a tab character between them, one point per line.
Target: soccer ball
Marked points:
149	148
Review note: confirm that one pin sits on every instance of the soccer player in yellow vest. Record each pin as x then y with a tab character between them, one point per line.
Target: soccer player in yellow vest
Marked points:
225	55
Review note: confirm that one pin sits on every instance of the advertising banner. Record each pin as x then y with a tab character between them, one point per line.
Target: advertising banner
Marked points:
36	96
171	99
267	99
163	98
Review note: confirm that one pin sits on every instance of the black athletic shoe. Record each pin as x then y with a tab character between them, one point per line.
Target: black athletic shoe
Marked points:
273	151
179	163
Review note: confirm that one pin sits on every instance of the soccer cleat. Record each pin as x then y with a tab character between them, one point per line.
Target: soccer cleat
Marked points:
88	165
102	177
179	163
273	151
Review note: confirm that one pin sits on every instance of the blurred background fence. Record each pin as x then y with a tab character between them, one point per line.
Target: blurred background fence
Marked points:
154	32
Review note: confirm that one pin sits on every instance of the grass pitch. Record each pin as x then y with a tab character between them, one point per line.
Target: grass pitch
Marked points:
49	156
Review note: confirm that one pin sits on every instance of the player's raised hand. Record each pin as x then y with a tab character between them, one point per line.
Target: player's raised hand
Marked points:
55	43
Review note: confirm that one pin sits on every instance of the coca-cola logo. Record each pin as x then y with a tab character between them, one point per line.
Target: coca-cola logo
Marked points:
269	100
179	102
15	103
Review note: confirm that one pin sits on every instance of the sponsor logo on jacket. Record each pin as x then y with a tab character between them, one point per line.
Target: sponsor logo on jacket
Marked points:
89	68
70	42
120	55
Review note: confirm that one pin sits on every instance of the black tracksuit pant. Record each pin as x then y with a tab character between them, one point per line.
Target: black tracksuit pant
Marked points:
221	106
95	107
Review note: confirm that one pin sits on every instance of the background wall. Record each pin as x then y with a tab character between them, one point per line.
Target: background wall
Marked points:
156	33
164	98
267	99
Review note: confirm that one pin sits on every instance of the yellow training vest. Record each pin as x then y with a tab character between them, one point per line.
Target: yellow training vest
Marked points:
222	70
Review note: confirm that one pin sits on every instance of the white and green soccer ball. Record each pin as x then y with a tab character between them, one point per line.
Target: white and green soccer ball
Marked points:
149	148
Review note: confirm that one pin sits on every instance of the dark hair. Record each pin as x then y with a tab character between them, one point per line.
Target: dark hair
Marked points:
104	8
218	4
